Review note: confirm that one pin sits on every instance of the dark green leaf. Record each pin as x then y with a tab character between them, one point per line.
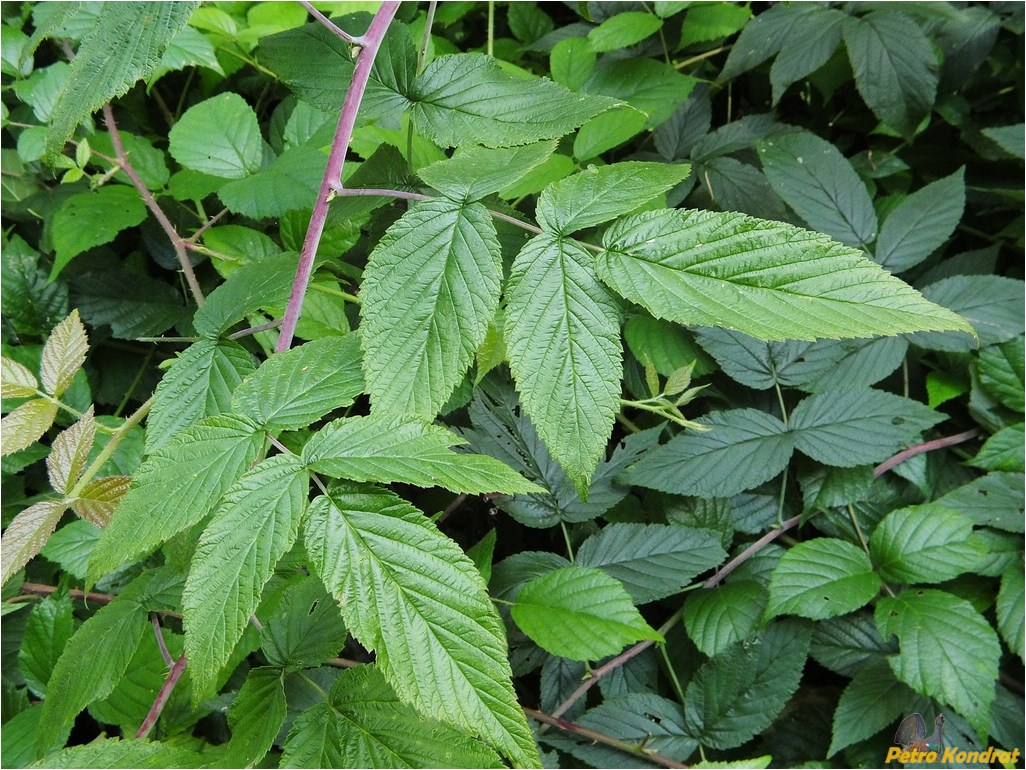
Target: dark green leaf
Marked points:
256	715
849	643
307	631
822	578
924	543
1003	451
1003	372
994	500
1010	610
653	87
872	700
50	625
718	617
993	305
760	39
921	223
811	41
132	305
93	218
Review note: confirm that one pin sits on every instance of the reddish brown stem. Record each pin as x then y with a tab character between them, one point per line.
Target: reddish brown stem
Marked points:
926	446
159	633
162	697
750	551
44	590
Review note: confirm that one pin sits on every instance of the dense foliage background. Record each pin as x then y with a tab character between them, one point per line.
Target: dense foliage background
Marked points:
762	543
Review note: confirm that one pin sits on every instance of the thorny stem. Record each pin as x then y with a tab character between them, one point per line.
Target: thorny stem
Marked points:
159	633
206	226
926	446
635	749
162	697
177	242
330	25
370	42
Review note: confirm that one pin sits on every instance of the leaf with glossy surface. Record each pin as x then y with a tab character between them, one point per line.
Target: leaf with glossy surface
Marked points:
822	578
652	561
431	287
921	223
562	330
256	716
407	450
49	627
601	193
716	618
412	596
63	355
926	543
255	525
940	634
579	613
219	136
176	487
27	534
742	449
475	172
766	279
623	30
297	387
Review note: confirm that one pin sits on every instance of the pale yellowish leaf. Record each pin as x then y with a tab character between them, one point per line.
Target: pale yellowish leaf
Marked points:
27	534
16	381
99	498
70	452
22	427
63	354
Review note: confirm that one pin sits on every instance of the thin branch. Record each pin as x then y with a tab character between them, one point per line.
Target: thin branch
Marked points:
750	551
159	633
926	446
343	663
331	26
635	749
162	697
370	42
255	329
426	40
341	191
177	242
206	226
700	57
41	589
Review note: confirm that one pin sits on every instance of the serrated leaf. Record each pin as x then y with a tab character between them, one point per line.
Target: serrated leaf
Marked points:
176	487
131	304
467	99
199	384
256	715
1010	610
83	673
607	130
924	544
738	693
643	719
25	425
822	578
760	39
307	631
1003	451
406	450
562	330
895	67
411	595
16	380
1003	373
816	180
69	453
808	46
948	650
297	387
123	753
579	613
49	627
857	427
623	30
27	534
475	172
921	223
768	280
289	183
124	46
716	618
601	193
994	500
847	643
262	284
63	355
742	449
99	498
652	561
255	525
430	289
70	547
992	304
872	700
219	136
756	363
653	87
849	363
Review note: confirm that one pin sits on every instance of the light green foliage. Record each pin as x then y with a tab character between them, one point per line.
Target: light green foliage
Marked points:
924	543
93	218
473	173
822	578
256	716
219	136
718	617
118	753
288	184
623	30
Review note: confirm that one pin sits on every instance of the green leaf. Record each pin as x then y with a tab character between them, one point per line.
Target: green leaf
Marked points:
297	387
176	487
1008	138
766	279
849	363
716	618
653	87
63	355
93	661
32	303
623	30
366	725
642	719
857	427
131	304
149	162
924	544
407	450
473	173
742	449
219	136
895	67
812	40
562	330
872	700
49	627
607	130
528	23
921	223
27	534
199	384
822	578
430	290
665	345
1010	610
652	561
255	525
1003	373
712	21
848	643
940	634
601	193
571	62
288	184
756	363
25	425
1003	451
579	613
738	693
256	716
992	304
468	99
266	283
91	219
307	630
123	753
124	46
994	500
814	179
760	38
413	597
189	48
17	381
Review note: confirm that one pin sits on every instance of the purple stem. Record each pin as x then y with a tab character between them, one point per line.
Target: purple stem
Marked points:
370	43
926	446
330	25
162	697
160	640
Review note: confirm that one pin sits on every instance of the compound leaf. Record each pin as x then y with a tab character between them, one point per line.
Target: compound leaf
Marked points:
25	425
